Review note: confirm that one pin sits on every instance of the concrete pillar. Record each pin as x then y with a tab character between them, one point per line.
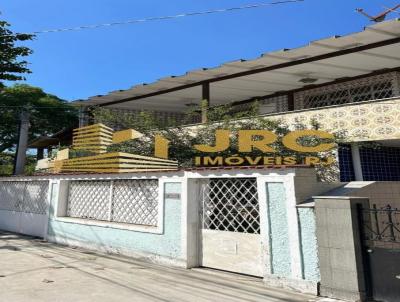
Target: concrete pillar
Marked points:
339	247
355	154
20	157
191	202
49	152
40	153
83	119
205	103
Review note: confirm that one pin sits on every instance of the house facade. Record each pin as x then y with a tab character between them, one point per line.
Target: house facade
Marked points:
349	84
281	224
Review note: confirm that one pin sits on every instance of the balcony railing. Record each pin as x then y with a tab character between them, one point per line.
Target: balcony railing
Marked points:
366	109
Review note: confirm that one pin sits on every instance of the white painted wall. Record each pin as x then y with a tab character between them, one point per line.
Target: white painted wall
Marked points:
300	184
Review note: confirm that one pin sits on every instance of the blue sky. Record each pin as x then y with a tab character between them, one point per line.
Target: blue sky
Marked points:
76	65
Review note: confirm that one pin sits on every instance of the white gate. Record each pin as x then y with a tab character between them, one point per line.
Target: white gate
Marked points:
24	207
230	234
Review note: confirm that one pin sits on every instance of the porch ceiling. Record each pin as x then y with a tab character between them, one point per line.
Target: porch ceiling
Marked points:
326	60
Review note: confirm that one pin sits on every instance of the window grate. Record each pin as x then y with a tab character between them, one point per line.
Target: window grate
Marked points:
380	224
371	88
274	104
89	199
135	202
231	204
123	201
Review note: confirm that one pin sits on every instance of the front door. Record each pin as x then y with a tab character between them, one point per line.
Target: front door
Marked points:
230	234
381	244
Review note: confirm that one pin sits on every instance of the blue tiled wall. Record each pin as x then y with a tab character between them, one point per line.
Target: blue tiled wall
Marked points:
378	164
346	164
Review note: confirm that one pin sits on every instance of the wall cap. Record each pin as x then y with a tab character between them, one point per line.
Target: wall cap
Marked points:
112	225
306	205
339	197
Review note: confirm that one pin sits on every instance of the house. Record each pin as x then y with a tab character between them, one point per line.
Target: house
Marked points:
336	239
349	83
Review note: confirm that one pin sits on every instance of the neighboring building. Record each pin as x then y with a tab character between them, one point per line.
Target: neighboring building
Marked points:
349	83
42	143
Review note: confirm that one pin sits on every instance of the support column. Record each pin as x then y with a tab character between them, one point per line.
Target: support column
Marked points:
205	102
340	247
40	153
49	152
355	154
291	101
83	117
20	156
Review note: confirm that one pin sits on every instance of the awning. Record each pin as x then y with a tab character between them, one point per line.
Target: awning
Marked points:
323	61
43	142
63	136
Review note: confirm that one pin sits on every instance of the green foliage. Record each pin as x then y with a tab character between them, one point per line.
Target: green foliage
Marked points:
79	153
223	117
118	119
10	65
48	114
7	164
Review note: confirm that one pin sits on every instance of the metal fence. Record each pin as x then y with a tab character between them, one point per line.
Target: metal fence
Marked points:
24	196
380	225
125	201
366	89
231	204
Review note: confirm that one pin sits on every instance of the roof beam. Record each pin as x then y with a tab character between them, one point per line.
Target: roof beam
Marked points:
381	31
336	53
360	52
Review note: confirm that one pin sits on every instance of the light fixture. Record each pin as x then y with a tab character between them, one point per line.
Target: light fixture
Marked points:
191	105
308	80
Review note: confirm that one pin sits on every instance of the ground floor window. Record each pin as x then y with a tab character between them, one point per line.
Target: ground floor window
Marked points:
124	201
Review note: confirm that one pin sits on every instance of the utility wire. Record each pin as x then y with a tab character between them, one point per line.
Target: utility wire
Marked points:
208	12
35	108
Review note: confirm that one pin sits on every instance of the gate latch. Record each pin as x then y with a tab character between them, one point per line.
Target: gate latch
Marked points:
398	277
370	251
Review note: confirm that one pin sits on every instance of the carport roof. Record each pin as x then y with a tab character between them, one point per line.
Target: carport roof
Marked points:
374	49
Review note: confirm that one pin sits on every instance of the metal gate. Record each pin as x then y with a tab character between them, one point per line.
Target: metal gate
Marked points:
24	207
230	234
380	231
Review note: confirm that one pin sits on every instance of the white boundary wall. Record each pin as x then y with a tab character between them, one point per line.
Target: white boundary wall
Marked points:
178	242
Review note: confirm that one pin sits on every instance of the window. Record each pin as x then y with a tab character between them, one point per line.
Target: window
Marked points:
366	89
123	201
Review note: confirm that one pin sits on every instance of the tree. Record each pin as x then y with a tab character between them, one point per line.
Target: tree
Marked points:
223	117
7	164
48	113
10	65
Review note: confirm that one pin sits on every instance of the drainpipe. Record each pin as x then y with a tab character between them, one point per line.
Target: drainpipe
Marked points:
355	154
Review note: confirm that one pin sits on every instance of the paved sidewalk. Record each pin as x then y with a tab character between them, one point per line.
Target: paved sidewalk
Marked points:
33	270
